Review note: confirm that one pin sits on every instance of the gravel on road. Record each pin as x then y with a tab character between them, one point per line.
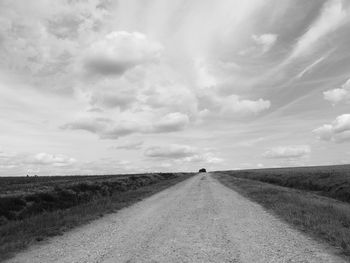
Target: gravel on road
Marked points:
197	220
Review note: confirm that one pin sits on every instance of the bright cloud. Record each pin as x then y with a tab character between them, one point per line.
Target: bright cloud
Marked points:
233	105
13	163
266	41
175	121
201	81
338	95
51	159
338	131
182	153
287	152
332	16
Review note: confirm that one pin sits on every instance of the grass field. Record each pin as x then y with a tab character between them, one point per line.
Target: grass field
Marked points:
34	208
307	198
330	181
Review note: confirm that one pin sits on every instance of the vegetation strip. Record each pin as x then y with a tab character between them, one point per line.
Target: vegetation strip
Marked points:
331	181
325	219
52	213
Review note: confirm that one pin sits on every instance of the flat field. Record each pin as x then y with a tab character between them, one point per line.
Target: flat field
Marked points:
330	181
34	208
313	199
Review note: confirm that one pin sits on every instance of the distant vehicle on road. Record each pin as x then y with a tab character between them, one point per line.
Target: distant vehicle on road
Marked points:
202	170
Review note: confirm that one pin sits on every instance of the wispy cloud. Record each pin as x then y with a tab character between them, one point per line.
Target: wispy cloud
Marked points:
221	80
332	16
311	66
128	145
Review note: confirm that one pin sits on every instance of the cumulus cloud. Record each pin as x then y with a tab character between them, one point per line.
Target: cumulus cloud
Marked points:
175	121
105	129
287	152
338	95
52	159
212	106
110	129
233	105
182	153
121	129
171	96
119	51
152	81
206	157
338	131
266	41
39	40
21	163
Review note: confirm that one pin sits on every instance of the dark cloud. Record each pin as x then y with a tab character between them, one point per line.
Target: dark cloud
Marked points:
107	66
119	51
109	129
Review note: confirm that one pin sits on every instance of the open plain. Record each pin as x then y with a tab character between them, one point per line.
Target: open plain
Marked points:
197	220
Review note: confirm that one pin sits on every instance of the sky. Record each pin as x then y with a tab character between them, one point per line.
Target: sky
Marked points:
129	86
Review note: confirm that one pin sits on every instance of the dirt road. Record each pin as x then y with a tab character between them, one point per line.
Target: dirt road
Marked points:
198	220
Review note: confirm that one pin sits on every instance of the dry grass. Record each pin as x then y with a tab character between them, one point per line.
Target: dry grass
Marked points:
323	218
19	233
331	181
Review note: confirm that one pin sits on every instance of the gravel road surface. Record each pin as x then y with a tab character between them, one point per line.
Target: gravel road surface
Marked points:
197	220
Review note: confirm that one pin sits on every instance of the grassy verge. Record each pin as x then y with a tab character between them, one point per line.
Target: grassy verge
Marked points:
331	181
323	218
18	234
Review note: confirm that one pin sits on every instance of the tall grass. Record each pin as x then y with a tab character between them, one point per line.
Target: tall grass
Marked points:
75	208
46	196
